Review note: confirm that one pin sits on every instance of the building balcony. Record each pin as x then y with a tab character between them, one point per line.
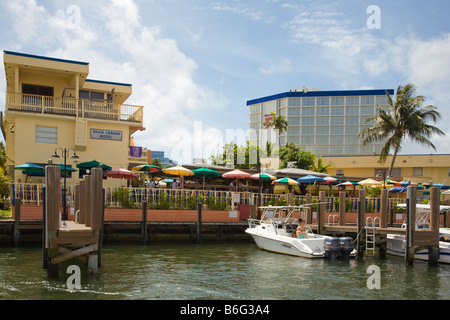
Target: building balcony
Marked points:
79	108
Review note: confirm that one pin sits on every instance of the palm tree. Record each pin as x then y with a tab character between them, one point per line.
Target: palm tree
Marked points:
277	122
405	118
321	168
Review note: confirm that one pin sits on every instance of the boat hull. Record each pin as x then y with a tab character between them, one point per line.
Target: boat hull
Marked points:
308	248
396	245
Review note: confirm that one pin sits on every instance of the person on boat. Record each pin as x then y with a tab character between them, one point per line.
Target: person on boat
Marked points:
301	234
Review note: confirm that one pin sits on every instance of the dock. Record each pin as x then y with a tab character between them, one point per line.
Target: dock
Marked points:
63	240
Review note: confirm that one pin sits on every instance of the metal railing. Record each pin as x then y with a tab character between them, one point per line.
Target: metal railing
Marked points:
74	107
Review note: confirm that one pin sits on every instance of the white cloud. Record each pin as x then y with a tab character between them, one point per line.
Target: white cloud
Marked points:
282	66
120	48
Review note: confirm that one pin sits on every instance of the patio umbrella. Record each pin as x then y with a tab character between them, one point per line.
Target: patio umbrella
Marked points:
446	192
93	164
309	179
329	180
347	184
370	182
146	168
441	186
121	174
397	189
179	171
237	174
263	176
395	183
28	168
287	181
205	172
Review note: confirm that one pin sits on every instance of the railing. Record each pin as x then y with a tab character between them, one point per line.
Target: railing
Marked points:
186	199
74	107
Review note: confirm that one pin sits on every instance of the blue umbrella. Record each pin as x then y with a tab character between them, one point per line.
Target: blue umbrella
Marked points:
309	179
441	186
29	166
397	189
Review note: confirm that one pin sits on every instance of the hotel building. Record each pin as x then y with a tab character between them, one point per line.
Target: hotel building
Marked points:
324	122
52	105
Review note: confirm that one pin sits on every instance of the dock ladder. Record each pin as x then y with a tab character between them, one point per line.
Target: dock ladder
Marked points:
371	225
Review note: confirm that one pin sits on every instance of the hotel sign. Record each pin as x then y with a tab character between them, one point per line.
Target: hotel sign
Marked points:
103	134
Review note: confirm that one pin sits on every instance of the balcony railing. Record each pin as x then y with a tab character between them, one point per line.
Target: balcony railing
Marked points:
74	107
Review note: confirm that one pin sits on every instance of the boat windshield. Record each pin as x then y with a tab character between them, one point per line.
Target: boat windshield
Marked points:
282	213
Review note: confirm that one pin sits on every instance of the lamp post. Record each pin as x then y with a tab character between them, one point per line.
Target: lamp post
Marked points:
65	154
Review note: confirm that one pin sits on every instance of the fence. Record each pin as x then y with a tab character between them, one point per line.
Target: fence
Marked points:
116	197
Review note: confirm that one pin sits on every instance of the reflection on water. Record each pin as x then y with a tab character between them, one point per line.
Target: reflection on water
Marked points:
217	271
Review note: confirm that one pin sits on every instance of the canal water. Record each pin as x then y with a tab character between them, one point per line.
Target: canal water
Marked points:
237	271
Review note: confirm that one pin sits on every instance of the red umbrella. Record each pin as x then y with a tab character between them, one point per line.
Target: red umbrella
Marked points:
237	174
121	174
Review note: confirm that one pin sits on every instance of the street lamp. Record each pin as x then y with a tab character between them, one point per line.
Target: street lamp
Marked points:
65	154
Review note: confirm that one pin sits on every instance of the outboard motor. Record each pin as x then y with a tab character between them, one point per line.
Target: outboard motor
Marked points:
346	247
332	248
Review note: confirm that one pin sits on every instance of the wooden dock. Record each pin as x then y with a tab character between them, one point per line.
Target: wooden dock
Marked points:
64	240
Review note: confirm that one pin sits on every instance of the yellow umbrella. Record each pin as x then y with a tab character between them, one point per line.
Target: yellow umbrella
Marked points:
287	181
178	171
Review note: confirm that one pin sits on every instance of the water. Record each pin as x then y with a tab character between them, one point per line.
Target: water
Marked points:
237	271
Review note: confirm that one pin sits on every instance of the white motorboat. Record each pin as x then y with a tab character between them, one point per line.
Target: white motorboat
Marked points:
275	232
396	244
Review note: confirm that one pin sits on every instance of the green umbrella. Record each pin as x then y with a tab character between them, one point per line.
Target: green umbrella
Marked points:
93	164
205	172
29	166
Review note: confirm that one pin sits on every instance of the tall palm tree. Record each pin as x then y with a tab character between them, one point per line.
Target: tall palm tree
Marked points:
277	122
405	118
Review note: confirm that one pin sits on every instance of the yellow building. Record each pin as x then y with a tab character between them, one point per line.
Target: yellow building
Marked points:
51	105
422	168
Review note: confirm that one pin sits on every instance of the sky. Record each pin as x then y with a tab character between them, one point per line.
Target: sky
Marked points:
194	64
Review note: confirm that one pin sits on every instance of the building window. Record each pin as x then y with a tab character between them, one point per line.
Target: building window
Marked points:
418	172
340	172
37	90
46	135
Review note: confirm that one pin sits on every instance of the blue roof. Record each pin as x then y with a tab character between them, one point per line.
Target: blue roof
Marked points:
44	58
301	94
109	82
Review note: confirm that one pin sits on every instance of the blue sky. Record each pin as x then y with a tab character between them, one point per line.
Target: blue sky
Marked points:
194	63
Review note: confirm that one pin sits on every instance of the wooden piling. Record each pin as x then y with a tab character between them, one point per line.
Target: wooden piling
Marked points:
52	220
410	225
433	250
144	222
384	208
360	224
342	208
87	200
82	213
199	222
17	202
309	208
321	212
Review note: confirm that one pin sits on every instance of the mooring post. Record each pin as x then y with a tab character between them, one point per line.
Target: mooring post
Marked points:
410	224
321	212
17	202
144	222
96	211
342	208
309	209
382	247
52	198
360	223
199	221
433	251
